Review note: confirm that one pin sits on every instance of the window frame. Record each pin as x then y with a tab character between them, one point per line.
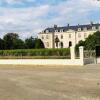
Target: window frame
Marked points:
79	35
79	29
61	36
70	36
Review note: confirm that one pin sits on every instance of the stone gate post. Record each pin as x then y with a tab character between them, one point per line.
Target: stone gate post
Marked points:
72	50
81	52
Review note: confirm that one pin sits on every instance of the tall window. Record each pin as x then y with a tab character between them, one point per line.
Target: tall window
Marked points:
79	35
85	35
47	36
47	43
99	27
70	43
69	35
42	37
61	36
61	44
58	30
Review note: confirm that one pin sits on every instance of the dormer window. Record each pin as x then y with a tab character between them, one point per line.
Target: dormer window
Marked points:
93	28
47	31
84	28
61	30
79	29
56	30
99	27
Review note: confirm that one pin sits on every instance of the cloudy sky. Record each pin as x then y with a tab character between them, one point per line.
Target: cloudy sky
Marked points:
28	17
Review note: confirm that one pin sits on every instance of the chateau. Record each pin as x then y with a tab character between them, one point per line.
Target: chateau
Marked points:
64	37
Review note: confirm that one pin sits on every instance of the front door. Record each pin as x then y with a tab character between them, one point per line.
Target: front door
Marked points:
70	43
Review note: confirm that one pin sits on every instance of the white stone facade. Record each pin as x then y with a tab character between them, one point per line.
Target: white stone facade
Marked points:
68	36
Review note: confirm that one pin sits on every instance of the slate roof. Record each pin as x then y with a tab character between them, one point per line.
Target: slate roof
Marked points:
75	28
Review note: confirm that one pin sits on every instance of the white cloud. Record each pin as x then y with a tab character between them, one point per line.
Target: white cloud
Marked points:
76	11
34	19
22	20
13	1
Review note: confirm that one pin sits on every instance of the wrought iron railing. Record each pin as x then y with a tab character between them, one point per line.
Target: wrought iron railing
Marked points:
89	53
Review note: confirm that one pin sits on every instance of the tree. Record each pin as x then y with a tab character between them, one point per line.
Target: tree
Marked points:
81	43
12	41
38	44
30	43
19	44
1	44
91	42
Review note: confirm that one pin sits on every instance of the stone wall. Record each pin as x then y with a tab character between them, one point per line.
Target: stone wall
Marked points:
71	61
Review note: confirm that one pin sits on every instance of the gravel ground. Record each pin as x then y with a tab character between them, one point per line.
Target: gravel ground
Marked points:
50	83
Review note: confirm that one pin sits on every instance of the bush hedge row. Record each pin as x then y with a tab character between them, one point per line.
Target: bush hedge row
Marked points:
35	52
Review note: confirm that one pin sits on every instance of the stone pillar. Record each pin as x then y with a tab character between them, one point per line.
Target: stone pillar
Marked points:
72	50
81	52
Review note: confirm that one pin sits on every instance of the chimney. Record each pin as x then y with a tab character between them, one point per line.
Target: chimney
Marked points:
68	25
91	23
78	24
55	26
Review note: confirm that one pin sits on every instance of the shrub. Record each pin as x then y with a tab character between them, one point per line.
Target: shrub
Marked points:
35	52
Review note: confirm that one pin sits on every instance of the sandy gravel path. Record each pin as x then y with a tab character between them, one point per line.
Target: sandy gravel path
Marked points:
51	83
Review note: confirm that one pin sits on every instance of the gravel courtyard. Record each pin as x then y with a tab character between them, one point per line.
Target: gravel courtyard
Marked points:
50	83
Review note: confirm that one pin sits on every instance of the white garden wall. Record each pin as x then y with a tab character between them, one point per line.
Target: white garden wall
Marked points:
89	61
98	60
42	61
71	61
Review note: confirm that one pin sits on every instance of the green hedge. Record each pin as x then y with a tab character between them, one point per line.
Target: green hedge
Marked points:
35	52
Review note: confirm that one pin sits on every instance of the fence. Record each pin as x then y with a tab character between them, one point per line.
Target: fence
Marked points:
73	61
89	54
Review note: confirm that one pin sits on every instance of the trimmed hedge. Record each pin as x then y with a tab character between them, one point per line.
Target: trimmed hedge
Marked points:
34	57
36	52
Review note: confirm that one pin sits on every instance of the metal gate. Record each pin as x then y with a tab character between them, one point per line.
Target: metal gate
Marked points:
89	54
89	57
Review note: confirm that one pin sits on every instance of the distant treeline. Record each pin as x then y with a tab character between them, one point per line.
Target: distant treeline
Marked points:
12	41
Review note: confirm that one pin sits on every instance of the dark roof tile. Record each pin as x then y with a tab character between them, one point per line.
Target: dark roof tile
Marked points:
88	26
